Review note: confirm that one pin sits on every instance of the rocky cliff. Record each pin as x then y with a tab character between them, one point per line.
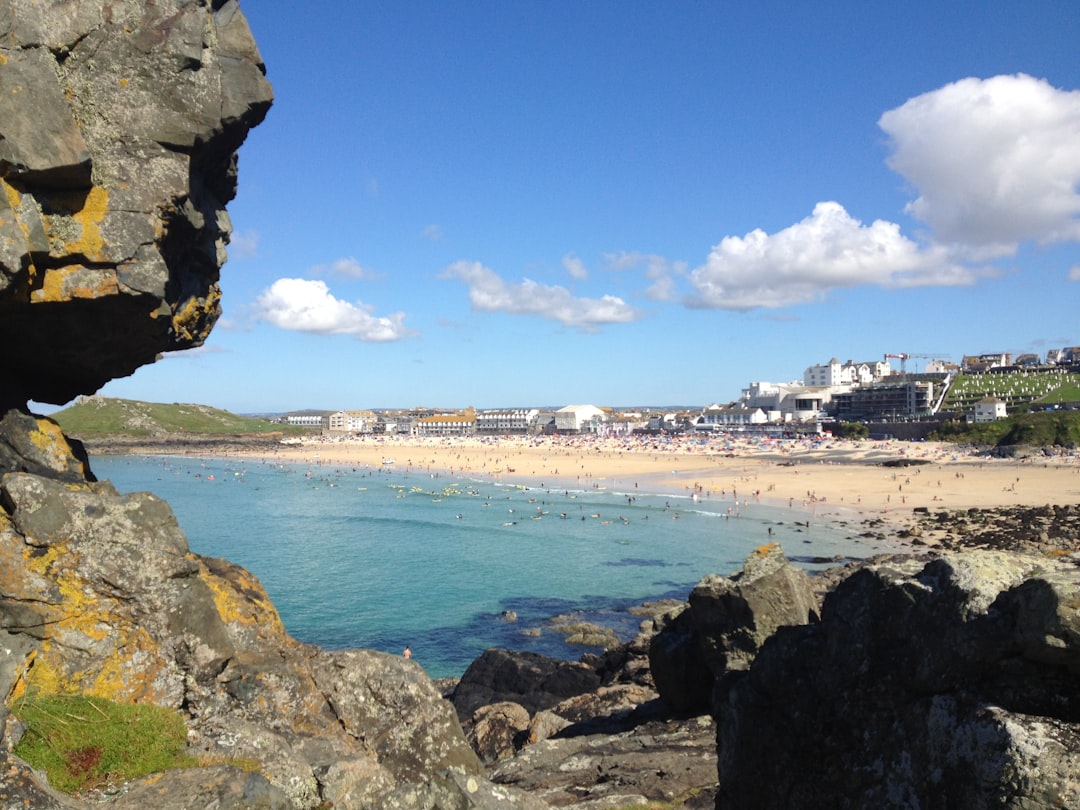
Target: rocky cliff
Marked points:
119	125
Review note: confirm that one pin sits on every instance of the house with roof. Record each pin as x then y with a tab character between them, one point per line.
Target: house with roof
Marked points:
351	422
725	417
446	424
507	421
989	409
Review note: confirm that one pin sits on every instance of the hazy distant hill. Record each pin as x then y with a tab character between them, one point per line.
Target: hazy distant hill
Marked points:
99	417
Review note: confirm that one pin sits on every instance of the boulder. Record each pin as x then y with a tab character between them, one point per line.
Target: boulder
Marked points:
941	683
496	731
119	126
529	679
726	622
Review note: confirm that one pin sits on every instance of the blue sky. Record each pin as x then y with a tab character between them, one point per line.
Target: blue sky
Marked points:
542	203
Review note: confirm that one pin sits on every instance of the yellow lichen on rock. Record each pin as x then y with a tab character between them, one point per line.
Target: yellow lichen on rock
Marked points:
194	318
240	598
89	217
70	283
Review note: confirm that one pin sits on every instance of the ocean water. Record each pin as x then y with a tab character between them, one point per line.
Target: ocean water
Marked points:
376	558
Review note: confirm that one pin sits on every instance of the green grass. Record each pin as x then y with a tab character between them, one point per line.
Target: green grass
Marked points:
1017	389
83	742
101	416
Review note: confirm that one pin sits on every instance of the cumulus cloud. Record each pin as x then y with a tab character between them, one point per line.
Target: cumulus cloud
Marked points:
994	161
304	305
489	293
828	249
1074	273
574	266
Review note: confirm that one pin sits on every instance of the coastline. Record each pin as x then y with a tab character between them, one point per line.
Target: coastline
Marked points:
834	480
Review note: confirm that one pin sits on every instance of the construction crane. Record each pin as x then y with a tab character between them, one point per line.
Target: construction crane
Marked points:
903	358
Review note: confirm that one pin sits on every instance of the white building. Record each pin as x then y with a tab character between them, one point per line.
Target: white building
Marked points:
835	374
507	421
446	424
579	419
989	409
350	422
830	374
305	419
720	417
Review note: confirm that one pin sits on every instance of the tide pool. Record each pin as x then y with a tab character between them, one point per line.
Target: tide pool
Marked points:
379	559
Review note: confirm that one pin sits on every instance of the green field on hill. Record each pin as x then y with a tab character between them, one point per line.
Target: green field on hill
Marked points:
1017	389
92	417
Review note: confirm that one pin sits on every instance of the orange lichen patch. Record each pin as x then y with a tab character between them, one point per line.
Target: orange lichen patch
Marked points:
240	598
194	317
119	659
766	550
47	438
13	197
70	283
129	672
90	243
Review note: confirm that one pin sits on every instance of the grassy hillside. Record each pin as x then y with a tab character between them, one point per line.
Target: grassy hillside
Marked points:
93	417
1017	389
1050	429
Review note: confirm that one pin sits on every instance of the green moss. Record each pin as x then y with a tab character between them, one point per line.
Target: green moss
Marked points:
84	742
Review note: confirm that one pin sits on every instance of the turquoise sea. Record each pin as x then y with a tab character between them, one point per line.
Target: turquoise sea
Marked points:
376	558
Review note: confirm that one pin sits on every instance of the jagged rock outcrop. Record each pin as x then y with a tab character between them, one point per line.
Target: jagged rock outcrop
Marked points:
589	734
725	623
100	595
119	125
944	683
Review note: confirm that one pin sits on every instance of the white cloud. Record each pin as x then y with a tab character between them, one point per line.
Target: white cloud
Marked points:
801	263
575	267
489	293
433	233
994	161
347	267
307	306
1074	273
661	271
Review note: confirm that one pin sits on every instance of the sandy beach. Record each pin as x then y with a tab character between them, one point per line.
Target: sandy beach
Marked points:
824	478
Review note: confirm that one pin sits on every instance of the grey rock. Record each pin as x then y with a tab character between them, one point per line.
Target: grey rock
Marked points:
948	683
119	126
496	731
726	622
665	761
221	787
531	680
